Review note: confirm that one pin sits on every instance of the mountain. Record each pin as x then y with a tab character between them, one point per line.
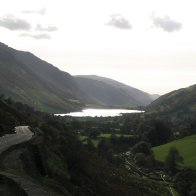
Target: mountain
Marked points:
30	80
26	78
154	96
182	100
112	93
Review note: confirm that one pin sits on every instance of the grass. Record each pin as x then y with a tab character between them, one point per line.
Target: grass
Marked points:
175	193
186	147
73	101
108	135
95	143
5	190
82	137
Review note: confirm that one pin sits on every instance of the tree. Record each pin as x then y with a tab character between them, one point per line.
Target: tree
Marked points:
143	154
142	147
172	160
193	190
185	182
140	159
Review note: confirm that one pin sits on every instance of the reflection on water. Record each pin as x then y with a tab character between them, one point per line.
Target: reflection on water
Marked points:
100	112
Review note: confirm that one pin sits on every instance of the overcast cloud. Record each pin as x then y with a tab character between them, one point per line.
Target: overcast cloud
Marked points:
119	21
39	27
12	23
166	23
41	11
91	41
36	36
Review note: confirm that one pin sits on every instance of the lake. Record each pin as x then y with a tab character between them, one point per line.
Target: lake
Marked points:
100	112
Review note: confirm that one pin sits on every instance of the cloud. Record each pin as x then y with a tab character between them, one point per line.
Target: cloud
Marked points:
41	11
119	21
36	36
14	24
39	27
166	23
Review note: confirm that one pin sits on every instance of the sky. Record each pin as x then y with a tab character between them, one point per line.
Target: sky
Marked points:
147	44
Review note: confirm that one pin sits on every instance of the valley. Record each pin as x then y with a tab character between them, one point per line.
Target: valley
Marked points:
124	151
33	81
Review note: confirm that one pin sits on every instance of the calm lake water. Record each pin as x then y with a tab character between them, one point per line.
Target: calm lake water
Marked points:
100	112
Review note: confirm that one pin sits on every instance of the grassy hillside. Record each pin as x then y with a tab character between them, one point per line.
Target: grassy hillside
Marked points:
186	146
110	92
178	109
182	100
28	79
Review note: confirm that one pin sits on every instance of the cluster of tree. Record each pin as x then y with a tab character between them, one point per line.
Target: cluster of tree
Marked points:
185	182
172	160
77	169
143	155
151	130
70	167
15	114
158	128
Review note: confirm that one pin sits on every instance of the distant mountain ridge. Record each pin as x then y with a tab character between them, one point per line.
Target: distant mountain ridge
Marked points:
110	92
33	81
26	78
181	100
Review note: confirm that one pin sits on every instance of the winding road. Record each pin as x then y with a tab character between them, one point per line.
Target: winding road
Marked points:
22	134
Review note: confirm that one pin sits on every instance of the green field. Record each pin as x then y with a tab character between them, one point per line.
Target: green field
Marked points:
82	137
186	147
108	135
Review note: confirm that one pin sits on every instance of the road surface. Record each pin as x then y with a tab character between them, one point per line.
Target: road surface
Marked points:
22	134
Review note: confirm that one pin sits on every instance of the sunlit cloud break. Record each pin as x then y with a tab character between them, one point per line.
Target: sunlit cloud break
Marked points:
41	11
39	27
36	36
12	23
166	23
118	21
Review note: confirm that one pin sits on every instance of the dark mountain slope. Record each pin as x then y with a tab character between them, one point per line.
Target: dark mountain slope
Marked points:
182	100
26	78
58	81
111	92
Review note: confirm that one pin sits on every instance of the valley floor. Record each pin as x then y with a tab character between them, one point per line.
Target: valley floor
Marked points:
186	147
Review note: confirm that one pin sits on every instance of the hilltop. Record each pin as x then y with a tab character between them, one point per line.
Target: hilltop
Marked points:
26	78
113	93
178	101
